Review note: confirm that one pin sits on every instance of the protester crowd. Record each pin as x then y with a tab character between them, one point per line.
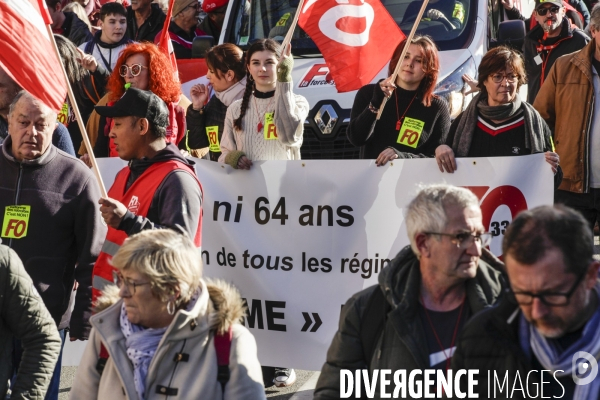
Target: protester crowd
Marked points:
122	270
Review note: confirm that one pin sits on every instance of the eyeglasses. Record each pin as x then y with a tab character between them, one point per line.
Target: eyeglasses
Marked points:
120	281
465	239
135	69
498	78
195	6
548	298
543	11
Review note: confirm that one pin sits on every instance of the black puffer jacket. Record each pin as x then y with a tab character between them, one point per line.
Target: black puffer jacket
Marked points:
402	343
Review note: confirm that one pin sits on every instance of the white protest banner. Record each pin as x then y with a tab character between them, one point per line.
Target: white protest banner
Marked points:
298	238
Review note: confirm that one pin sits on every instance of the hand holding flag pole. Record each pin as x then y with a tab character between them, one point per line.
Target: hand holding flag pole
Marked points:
86	139
401	59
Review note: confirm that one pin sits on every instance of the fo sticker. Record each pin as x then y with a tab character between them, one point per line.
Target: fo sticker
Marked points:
16	221
410	132
270	129
213	138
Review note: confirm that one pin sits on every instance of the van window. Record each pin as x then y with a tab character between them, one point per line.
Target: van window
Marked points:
449	22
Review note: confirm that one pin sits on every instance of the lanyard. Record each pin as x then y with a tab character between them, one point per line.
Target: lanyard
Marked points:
405	111
108	63
437	338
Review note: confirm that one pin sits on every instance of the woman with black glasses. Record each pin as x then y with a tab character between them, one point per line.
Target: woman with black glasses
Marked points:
497	123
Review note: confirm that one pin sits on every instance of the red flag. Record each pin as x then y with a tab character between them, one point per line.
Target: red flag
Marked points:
164	43
27	54
356	37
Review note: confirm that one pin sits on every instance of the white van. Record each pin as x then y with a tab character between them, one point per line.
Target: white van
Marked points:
461	51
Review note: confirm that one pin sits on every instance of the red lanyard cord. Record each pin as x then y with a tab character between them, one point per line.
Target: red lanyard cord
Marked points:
405	111
437	338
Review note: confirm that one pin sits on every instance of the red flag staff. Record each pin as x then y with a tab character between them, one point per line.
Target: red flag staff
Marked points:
408	40
164	43
290	32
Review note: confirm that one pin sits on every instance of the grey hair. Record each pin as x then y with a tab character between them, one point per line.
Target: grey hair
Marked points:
595	17
167	258
25	93
427	211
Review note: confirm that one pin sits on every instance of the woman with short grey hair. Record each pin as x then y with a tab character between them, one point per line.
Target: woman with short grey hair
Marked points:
170	332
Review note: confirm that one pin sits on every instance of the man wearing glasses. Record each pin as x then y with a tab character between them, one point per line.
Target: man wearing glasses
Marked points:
412	318
183	27
552	37
549	316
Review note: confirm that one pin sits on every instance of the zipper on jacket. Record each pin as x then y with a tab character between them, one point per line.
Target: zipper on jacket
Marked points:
17	191
586	162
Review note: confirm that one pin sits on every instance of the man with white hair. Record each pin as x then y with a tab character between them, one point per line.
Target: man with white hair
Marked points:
49	218
411	319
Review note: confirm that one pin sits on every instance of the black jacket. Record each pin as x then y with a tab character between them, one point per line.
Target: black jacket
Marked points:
65	231
570	41
75	29
176	202
402	344
151	26
490	342
213	115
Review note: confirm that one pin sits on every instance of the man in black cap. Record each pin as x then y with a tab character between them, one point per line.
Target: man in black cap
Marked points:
158	189
552	37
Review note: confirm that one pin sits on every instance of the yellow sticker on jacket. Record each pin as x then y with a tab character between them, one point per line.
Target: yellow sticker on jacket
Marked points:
410	132
270	129
63	115
16	222
283	20
213	138
459	12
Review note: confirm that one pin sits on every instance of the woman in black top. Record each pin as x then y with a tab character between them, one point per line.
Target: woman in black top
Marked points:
227	76
497	123
414	121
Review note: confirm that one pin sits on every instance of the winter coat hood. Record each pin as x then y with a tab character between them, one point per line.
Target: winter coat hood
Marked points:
225	308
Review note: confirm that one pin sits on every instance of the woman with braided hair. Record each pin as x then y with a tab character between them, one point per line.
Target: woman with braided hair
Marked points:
267	123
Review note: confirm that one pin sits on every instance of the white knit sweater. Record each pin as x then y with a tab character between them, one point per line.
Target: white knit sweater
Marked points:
290	111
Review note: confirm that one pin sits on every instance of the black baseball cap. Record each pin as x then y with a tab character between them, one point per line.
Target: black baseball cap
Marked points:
138	103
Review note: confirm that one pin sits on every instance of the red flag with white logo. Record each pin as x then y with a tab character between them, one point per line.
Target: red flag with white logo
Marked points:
356	37
164	43
27	55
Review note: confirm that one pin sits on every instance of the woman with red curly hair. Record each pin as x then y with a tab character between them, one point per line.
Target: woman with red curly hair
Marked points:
143	66
414	120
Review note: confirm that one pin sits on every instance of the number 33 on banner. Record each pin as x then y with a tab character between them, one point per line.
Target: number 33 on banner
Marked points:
270	129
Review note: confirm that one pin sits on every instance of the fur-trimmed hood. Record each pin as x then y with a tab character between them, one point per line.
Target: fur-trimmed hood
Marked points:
225	307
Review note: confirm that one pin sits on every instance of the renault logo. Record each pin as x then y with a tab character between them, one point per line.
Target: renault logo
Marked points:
326	119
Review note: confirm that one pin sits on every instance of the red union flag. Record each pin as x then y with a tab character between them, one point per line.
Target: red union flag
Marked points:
164	42
356	37
27	54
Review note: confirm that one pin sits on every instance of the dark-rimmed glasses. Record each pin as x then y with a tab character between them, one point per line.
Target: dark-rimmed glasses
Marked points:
465	239
498	78
135	69
548	298
543	11
120	281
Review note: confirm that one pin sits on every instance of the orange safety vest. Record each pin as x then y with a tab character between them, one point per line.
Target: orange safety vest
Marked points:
138	198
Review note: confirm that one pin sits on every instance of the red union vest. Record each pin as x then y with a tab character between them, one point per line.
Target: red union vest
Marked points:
137	199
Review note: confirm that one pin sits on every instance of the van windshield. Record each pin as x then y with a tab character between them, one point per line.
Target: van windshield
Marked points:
449	22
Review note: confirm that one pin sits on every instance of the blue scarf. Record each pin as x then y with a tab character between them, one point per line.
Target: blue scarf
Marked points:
553	358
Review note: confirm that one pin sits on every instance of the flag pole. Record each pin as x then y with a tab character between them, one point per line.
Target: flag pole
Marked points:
399	64
290	32
86	139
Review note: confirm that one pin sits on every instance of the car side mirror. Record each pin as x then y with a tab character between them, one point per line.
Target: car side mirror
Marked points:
201	45
511	33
